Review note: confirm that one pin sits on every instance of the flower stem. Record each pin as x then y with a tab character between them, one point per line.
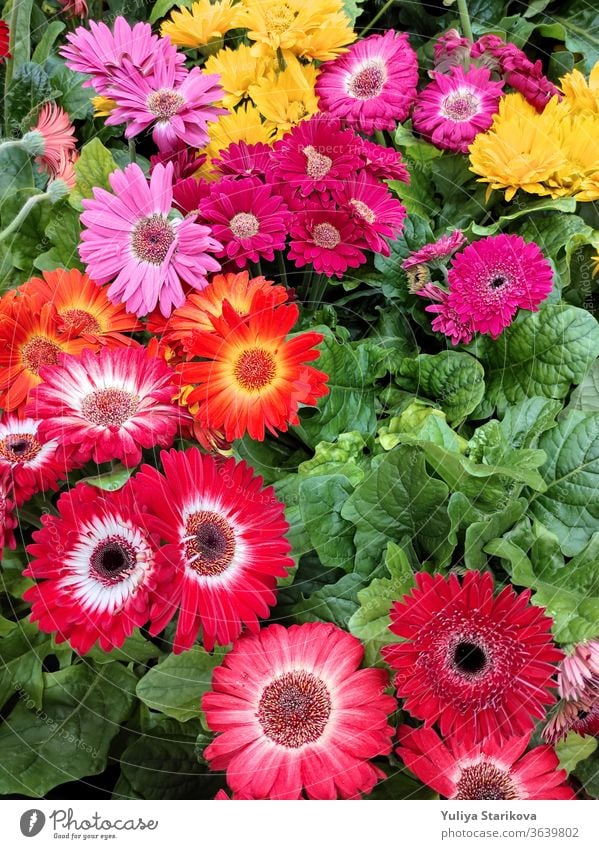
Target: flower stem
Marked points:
22	214
255	269
318	287
378	15
380	138
132	151
465	20
282	269
281	59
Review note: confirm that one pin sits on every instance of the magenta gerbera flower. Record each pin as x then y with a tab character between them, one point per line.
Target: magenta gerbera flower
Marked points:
102	52
443	248
327	238
34	464
189	193
132	240
241	159
447	320
106	406
373	85
457	106
316	156
98	569
383	163
8	522
178	111
472	660
378	214
494	277
247	217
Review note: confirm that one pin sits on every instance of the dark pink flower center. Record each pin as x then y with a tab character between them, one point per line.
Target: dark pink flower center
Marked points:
112	560
39	351
318	164
294	709
209	543
363	210
254	369
165	103
484	780
82	320
109	407
368	81
324	235
152	238
461	105
19	448
244	225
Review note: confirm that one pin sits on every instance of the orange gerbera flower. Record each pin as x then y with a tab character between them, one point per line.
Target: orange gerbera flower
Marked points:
253	378
29	339
243	293
82	307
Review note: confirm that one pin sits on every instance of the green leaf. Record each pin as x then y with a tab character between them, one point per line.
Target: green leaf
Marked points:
454	380
550	224
29	88
64	232
345	456
576	25
542	353
68	90
333	603
398	500
429	426
21	35
92	169
587	772
523	423
570	507
111	480
135	649
69	737
415	234
162	7
586	395
44	45
15	171
574	749
370	623
26	242
321	498
22	653
176	685
479	533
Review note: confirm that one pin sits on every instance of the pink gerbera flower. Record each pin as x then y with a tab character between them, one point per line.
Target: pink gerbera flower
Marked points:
582	717
578	676
225	546
8	522
373	85
34	464
378	214
447	320
296	714
189	193
248	218
457	106
57	138
470	659
185	162
526	77
178	111
459	768
98	569
443	248
494	277
241	159
450	49
383	163
131	239
101	53
327	238
106	406
316	156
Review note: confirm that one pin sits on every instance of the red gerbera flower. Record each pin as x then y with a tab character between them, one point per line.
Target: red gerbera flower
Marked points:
4	41
470	659
8	523
99	568
296	714
252	377
226	545
249	220
458	768
107	406
327	238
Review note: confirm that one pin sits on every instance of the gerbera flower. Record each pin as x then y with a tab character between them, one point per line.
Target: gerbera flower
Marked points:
495	768
469	659
494	277
178	111
450	49
240	290
99	52
253	378
582	717
322	43
98	569
327	238
297	715
130	240
286	98
4	41
244	124
238	70
225	545
383	163
8	522
201	24
244	160
82	307
447	320
577	139
185	162
578	676
315	156
581	96
107	406
73	8
373	85
29	339
188	194
526	77
456	106
442	249
33	463
247	218
66	170
56	137
378	214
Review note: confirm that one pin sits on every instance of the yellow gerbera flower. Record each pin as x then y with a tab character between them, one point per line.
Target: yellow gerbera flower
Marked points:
518	152
103	106
595	260
238	69
287	98
577	137
201	24
327	41
589	188
580	95
245	124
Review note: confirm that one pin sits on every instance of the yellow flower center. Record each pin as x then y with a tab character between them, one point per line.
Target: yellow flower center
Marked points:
84	321
363	210
244	225
279	18
485	781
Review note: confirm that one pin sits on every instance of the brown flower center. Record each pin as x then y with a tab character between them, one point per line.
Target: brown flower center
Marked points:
368	81
325	235
165	103
106	407
39	351
294	709
209	544
255	369
19	448
485	781
152	238
112	560
244	225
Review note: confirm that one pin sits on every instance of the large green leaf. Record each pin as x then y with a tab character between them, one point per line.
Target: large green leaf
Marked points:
575	24
574	749
454	380
63	231
22	653
321	498
69	738
92	169
586	395
333	603
29	88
